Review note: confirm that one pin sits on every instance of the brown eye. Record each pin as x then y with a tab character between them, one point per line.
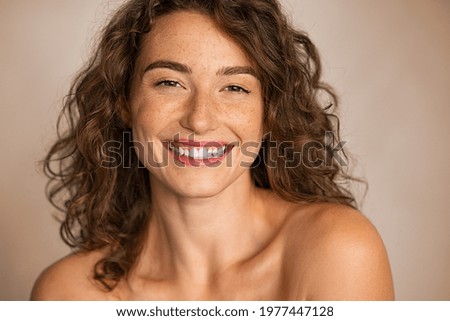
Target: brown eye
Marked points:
168	83
235	88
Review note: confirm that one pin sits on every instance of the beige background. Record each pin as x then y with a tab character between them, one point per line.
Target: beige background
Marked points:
389	61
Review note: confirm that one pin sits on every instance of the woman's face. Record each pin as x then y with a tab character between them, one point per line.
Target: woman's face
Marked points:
196	106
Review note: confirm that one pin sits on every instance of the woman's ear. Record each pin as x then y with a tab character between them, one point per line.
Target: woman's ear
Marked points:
123	111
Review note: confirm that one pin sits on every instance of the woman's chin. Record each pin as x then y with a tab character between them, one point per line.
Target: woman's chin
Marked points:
205	183
200	190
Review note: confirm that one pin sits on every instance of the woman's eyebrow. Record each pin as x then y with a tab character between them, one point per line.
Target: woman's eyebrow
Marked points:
224	71
176	66
229	71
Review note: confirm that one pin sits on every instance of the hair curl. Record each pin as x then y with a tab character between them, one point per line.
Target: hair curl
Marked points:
108	207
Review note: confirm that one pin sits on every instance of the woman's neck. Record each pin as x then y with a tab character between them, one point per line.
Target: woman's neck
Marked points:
198	238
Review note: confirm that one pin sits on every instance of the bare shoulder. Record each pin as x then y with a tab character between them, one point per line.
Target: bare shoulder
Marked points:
335	253
70	278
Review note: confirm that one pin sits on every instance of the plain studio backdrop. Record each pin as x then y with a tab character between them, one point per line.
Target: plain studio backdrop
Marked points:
388	61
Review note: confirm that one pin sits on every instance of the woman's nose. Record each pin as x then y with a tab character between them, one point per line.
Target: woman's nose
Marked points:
200	115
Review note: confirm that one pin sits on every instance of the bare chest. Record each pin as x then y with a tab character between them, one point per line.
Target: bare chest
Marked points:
267	279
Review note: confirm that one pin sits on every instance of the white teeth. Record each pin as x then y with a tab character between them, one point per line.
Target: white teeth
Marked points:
193	153
199	152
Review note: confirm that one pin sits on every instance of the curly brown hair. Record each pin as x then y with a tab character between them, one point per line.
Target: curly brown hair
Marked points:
107	207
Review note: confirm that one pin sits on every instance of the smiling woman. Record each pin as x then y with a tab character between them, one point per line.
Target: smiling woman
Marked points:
194	90
226	186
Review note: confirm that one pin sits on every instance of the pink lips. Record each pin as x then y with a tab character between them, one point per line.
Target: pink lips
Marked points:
187	160
196	143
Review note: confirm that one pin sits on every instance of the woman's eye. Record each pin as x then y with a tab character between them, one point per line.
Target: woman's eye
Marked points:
235	88
168	83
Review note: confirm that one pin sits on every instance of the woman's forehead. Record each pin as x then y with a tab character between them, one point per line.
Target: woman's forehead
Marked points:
191	37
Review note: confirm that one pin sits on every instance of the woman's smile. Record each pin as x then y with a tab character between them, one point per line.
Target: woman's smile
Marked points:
198	153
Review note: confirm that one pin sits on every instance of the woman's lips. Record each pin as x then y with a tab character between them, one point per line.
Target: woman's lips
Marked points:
198	152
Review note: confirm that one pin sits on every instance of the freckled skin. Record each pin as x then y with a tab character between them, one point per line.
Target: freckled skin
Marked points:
212	234
199	104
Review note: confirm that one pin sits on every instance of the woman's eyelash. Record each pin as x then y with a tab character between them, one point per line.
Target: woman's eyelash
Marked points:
168	83
236	88
173	83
